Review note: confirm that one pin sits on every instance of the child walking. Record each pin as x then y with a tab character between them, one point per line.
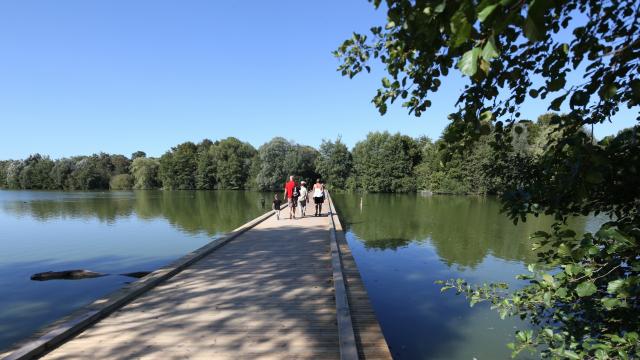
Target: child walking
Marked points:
304	197
276	206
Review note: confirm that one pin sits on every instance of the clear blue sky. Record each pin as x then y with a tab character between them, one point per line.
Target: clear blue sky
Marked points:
79	77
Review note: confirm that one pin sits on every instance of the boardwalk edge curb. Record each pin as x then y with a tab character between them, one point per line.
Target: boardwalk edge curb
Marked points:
346	335
101	308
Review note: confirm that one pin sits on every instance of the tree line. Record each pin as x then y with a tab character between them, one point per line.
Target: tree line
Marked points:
382	162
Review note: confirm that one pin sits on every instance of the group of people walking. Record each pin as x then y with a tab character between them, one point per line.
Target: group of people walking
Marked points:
297	196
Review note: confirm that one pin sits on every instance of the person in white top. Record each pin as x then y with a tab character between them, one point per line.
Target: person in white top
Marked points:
318	196
304	197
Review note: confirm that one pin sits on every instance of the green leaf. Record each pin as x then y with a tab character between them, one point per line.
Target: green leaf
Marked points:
593	250
548	279
561	292
484	66
486	115
571	355
460	27
386	82
615	234
567	233
556	84
468	64
440	8
564	250
382	109
635	90
632	336
579	98
614	286
534	25
573	269
608	91
601	354
586	288
617	339
557	102
490	50
486	12
610	303
540	234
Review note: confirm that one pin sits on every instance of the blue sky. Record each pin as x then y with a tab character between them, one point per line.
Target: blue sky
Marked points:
79	77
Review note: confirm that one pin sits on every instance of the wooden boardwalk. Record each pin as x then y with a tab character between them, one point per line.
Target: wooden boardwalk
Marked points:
269	293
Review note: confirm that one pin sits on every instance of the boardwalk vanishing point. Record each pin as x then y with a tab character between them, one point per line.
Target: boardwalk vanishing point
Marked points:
286	289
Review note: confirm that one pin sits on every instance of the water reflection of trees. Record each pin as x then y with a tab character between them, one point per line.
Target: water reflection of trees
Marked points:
92	205
463	230
190	211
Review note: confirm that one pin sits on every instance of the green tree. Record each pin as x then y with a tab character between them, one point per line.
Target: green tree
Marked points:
429	164
206	166
138	154
178	167
300	161
121	182
334	163
61	173
462	172
91	173
272	169
35	173
232	159
3	173
13	170
145	173
583	295
254	170
120	164
77	173
385	163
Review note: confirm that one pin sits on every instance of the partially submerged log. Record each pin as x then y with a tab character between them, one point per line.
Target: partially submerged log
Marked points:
66	275
137	274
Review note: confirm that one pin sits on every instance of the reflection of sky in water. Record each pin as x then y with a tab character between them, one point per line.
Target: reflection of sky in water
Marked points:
111	233
403	243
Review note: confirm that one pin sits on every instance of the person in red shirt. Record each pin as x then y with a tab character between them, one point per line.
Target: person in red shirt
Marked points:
288	193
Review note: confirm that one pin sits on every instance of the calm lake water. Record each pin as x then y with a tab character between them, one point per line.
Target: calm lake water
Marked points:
401	243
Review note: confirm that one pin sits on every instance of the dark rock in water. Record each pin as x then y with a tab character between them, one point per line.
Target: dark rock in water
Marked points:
65	275
137	274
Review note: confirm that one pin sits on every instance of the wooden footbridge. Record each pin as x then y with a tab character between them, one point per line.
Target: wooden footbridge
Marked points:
271	289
